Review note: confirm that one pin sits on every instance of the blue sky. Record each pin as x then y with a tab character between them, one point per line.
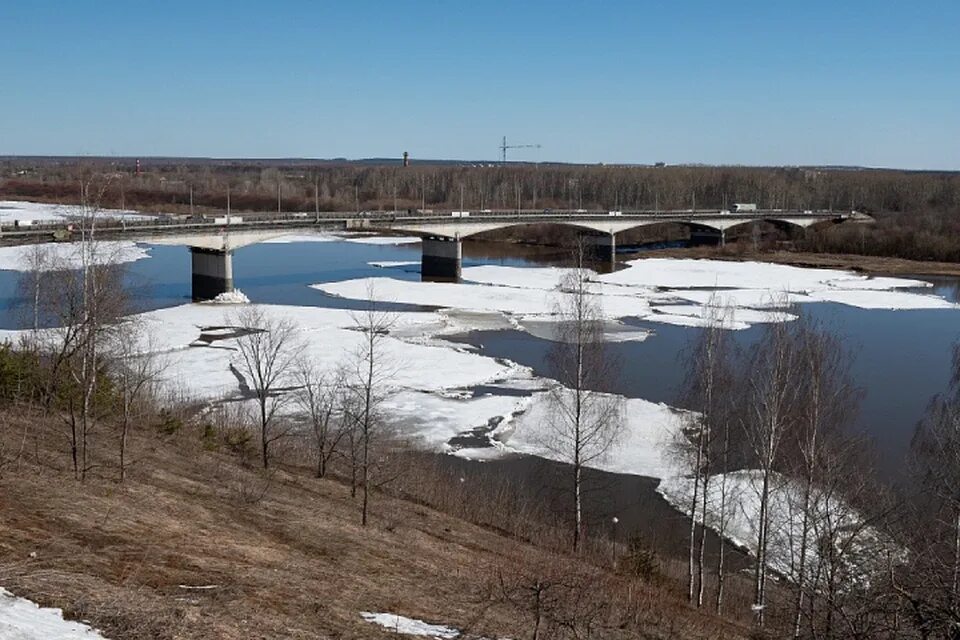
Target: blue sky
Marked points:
844	82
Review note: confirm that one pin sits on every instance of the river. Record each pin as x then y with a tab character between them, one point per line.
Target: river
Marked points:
901	358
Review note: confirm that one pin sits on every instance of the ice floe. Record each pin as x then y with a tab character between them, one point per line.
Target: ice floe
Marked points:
373	239
230	297
326	337
739	492
394	264
644	447
303	237
69	255
665	291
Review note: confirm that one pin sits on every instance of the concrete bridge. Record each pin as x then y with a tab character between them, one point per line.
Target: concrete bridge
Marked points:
212	241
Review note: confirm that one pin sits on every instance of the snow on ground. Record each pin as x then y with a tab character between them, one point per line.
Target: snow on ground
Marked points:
21	619
68	254
410	626
11	210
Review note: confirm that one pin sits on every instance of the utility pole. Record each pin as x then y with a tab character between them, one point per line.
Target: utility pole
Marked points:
191	200
278	197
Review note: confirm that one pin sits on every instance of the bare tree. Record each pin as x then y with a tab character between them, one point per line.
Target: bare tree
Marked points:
827	402
930	582
83	298
584	420
32	283
134	369
772	397
564	600
268	349
707	436
320	397
366	379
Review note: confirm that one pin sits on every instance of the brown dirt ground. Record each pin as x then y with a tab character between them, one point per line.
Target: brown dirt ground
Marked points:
285	553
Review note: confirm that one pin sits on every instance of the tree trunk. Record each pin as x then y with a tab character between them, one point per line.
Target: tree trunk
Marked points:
801	571
703	542
693	515
263	430
760	573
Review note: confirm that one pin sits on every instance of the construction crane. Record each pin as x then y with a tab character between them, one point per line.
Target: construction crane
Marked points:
504	146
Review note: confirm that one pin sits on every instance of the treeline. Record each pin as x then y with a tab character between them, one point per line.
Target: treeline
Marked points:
930	236
917	212
347	187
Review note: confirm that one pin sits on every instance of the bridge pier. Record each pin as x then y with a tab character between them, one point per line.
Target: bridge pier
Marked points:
212	272
441	260
601	248
712	237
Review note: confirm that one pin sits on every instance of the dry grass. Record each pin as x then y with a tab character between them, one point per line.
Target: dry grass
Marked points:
283	554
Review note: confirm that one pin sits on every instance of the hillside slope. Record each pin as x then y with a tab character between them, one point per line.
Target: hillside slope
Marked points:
195	545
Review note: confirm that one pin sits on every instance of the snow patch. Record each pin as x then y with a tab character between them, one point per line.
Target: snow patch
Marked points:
21	619
11	210
410	626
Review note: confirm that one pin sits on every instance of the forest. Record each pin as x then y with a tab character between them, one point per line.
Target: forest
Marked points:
917	213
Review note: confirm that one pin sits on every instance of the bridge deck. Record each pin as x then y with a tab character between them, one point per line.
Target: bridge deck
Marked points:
383	221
